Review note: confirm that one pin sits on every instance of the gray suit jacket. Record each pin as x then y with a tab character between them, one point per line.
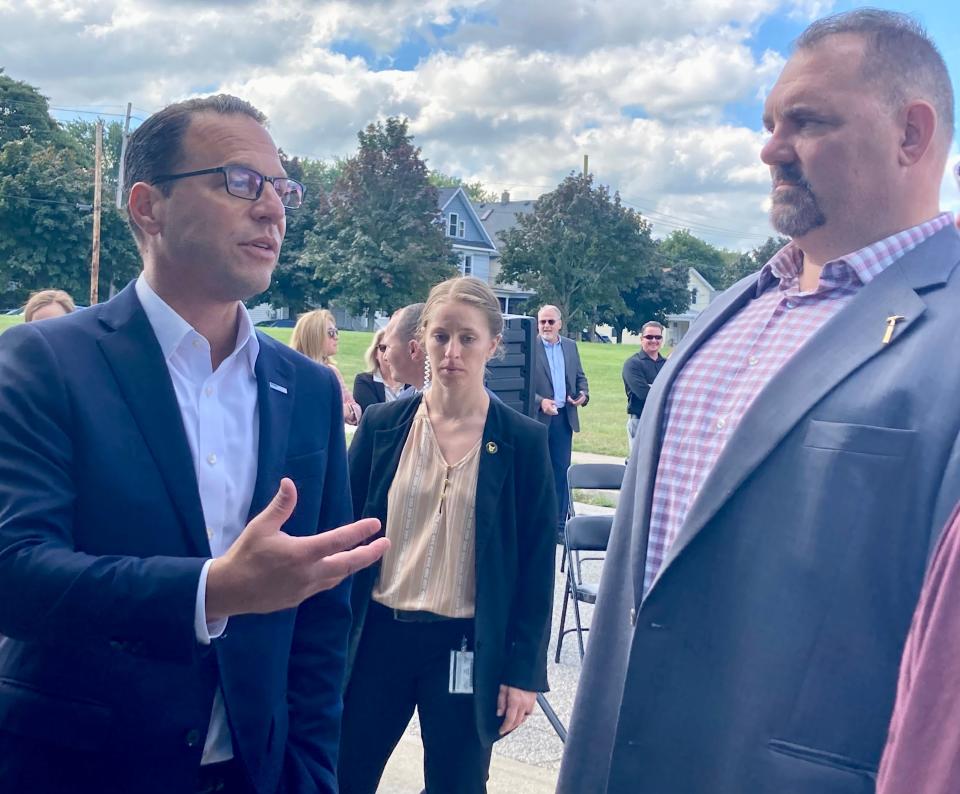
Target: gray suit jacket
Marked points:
576	380
764	659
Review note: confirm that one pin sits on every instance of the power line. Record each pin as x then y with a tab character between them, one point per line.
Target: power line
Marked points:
32	200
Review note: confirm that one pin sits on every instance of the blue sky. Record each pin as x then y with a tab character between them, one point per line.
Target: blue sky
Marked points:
666	99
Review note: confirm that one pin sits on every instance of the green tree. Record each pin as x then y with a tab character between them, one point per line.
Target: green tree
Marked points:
656	292
46	193
576	250
475	191
377	242
752	261
25	113
683	249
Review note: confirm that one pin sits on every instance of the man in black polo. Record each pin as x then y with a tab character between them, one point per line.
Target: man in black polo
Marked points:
639	372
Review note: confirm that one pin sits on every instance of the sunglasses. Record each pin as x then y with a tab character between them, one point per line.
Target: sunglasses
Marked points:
652	337
247	184
548	322
333	333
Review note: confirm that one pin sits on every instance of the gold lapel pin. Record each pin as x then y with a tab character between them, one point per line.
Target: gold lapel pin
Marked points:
892	321
491	448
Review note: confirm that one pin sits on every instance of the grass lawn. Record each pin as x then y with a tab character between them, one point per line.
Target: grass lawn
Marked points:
603	420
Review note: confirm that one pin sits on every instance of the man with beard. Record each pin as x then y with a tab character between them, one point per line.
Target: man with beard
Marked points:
797	460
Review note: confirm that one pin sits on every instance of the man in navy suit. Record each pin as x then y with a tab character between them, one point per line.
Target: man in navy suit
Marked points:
175	607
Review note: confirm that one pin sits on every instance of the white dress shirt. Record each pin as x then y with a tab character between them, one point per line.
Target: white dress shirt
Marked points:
221	421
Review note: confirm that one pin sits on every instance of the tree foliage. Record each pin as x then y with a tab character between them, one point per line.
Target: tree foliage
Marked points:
682	249
377	242
475	190
46	194
580	249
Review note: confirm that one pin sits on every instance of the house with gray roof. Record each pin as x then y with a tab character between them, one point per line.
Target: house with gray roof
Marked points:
497	217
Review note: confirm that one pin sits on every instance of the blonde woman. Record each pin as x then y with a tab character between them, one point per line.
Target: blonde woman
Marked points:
47	303
377	384
455	622
317	337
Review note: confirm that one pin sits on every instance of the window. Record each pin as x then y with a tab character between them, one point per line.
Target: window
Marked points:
454	225
694	295
462	229
466	264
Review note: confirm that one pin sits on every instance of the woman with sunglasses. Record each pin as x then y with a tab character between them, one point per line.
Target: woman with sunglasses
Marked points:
316	336
455	622
377	384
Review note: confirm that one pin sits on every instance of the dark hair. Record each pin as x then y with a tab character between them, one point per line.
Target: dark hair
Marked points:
899	57
155	147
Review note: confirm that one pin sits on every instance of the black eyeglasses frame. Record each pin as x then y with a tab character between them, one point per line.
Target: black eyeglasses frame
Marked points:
223	169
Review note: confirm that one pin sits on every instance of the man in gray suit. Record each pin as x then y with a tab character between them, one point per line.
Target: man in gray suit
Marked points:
800	454
560	388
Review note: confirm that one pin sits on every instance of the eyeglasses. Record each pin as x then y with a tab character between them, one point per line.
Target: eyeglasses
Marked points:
248	184
547	322
652	337
382	348
333	333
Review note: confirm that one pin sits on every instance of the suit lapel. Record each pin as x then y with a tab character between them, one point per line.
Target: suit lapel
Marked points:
496	460
134	356
276	382
807	378
544	364
646	449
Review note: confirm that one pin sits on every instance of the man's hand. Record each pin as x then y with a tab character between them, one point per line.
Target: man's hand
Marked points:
549	407
581	399
266	570
514	705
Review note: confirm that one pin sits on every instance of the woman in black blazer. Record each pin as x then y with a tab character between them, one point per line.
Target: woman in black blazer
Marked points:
401	658
371	387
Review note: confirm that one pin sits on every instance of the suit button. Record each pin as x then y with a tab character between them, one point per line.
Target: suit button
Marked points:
192	738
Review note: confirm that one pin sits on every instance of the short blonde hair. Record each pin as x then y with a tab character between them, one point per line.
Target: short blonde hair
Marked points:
44	298
370	357
310	334
471	291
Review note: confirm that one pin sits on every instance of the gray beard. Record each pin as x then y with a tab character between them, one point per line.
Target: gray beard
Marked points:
795	211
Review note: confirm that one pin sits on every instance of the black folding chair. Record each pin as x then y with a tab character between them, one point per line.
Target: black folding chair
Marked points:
591	476
582	533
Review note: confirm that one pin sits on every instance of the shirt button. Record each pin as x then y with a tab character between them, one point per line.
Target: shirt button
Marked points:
791	305
212	459
208	391
192	738
721	423
753	361
196	343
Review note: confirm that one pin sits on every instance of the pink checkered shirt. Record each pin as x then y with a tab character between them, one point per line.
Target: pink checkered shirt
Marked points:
720	381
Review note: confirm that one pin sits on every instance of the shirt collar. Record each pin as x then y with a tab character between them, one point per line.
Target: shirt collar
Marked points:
867	263
550	344
171	329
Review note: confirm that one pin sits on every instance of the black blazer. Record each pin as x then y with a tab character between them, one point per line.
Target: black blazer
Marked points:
516	516
367	391
576	380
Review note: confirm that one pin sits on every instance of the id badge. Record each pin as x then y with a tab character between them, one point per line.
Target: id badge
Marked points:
461	671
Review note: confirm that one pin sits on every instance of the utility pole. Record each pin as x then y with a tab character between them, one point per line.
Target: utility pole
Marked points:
586	170
123	152
97	184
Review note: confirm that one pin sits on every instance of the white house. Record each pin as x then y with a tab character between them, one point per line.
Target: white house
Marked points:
701	293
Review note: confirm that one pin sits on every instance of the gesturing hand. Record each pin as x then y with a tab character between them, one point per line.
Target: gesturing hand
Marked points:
549	407
514	705
266	569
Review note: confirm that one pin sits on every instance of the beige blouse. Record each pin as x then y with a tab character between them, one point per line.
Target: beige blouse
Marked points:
430	523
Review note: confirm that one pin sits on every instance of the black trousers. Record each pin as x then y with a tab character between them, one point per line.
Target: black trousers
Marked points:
560	443
400	666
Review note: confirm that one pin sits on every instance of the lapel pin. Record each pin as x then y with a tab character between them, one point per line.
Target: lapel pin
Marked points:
491	448
892	321
278	387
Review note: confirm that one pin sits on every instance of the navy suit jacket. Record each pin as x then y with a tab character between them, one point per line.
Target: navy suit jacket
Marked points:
102	542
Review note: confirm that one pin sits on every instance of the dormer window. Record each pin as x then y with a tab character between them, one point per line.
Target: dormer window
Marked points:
456	227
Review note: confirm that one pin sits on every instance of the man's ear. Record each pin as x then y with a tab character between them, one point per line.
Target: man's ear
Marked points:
919	129
146	207
415	348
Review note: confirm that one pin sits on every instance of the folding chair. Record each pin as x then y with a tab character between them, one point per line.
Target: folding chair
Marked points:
582	533
591	476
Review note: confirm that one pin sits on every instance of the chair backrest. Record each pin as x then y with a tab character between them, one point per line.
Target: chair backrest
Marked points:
595	476
588	533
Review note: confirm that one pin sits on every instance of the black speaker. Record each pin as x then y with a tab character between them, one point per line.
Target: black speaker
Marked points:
511	377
